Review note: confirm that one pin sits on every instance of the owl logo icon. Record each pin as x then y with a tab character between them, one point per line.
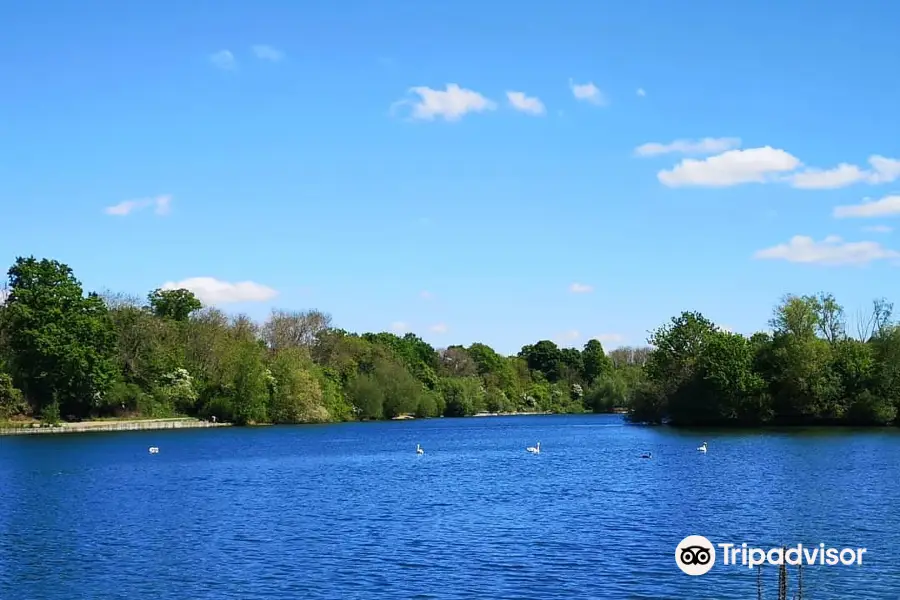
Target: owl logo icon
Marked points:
695	555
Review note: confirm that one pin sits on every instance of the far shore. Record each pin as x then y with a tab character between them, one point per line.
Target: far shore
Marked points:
113	424
33	427
480	414
103	425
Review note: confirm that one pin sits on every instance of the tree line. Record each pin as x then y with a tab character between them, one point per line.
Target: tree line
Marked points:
808	369
69	355
65	354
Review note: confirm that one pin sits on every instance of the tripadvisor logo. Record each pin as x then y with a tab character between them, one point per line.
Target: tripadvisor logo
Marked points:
696	555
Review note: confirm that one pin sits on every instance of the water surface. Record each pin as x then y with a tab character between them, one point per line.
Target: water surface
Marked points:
350	511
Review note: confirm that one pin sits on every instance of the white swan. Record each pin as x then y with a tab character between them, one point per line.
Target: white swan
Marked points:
154	450
702	448
419	449
534	449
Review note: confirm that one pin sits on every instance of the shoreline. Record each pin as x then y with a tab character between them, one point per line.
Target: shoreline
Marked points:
110	426
510	414
123	425
37	428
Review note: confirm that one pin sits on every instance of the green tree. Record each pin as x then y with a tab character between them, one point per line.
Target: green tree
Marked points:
463	396
367	396
606	394
544	357
596	362
12	402
725	388
419	357
296	395
62	343
147	346
250	384
173	304
572	364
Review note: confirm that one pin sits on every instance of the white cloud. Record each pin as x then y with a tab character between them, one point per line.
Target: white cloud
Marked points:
162	206
265	52
731	166
878	229
213	291
641	92
704	146
438	328
588	92
887	206
4	294
831	251
753	165
223	59
609	338
726	328
525	104
580	288
884	170
399	327
450	104
426	295
819	179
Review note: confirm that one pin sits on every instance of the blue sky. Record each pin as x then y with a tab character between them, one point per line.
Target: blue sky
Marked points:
300	159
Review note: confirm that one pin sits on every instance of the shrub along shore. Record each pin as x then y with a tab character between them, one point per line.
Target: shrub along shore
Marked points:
69	356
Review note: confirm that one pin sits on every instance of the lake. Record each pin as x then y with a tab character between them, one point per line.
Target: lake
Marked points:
351	511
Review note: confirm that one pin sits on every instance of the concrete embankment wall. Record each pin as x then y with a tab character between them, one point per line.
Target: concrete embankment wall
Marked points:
90	427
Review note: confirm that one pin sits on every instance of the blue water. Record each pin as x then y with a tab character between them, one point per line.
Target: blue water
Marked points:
350	511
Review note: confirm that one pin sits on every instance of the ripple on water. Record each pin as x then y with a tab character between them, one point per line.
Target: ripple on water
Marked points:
351	511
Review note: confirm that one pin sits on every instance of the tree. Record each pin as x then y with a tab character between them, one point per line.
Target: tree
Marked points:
726	388
486	359
249	384
416	354
455	361
173	304
799	316
147	346
294	329
831	318
678	346
295	393
607	393
62	343
544	357
596	362
878	320
803	385
12	402
462	395
572	364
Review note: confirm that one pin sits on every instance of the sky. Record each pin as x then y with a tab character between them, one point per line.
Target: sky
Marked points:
471	172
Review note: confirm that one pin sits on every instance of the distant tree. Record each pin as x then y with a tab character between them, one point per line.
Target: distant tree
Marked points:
596	362
294	329
62	343
544	357
457	362
173	304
